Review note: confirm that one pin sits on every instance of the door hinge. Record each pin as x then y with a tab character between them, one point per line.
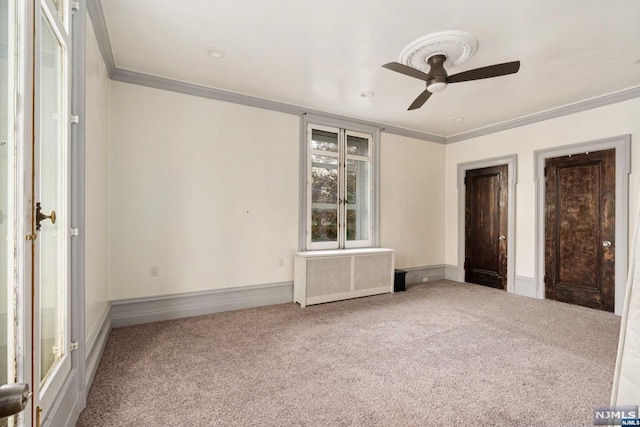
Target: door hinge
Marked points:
73	231
545	171
74	345
465	180
75	6
33	236
75	119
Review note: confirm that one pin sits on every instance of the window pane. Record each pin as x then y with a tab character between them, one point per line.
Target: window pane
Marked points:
324	225
357	146
358	196
324	141
324	179
59	4
324	161
324	199
52	280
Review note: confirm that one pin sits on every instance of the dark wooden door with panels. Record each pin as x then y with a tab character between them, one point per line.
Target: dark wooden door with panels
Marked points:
580	229
486	205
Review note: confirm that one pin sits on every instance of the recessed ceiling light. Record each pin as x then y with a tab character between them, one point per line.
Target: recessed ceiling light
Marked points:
214	52
458	119
366	94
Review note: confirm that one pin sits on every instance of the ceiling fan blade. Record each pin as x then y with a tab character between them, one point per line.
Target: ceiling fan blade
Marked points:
420	100
406	70
485	72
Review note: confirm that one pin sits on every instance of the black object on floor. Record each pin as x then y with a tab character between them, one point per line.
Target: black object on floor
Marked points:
399	281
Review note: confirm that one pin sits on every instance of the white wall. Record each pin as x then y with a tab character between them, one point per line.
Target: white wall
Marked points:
208	192
96	179
412	200
205	190
612	120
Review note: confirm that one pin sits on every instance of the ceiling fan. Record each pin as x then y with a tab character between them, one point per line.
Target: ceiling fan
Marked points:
437	78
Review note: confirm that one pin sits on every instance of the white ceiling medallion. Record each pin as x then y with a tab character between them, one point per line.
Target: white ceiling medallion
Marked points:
457	46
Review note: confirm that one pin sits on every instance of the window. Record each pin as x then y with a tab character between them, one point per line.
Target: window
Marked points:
340	190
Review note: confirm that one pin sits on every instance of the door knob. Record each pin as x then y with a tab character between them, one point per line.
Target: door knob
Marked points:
13	398
40	216
606	243
502	237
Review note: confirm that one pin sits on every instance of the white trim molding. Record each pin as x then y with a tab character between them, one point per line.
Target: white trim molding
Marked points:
511	161
622	145
66	407
77	196
525	286
94	8
451	272
418	274
135	311
201	91
553	113
94	344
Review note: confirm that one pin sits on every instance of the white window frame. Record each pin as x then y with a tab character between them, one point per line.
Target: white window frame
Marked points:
357	243
344	129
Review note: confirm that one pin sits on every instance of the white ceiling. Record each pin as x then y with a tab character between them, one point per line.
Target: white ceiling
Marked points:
321	54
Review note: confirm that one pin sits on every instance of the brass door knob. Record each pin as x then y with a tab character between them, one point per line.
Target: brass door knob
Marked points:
40	216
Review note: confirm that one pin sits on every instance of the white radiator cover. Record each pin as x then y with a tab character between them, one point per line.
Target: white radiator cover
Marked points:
323	276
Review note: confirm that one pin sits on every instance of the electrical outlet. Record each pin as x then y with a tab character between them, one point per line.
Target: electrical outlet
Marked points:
155	271
425	279
281	262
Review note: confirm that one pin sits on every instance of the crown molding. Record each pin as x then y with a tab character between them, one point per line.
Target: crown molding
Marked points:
171	85
96	13
588	104
94	8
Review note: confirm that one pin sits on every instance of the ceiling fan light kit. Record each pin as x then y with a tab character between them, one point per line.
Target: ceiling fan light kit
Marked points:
436	51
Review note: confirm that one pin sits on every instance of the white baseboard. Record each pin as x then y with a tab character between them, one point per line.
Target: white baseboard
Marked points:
94	347
526	286
417	274
135	311
66	407
451	272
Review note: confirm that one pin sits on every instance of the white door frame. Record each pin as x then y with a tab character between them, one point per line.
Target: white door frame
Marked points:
622	145
511	161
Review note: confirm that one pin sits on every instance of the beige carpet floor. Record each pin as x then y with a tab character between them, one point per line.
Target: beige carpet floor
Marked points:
442	353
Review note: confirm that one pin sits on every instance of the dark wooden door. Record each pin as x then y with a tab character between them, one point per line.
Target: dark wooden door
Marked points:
580	229
486	226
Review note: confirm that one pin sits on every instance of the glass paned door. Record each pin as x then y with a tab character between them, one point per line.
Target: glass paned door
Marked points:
51	236
7	196
52	361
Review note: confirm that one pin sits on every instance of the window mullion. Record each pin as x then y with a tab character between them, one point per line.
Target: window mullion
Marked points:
342	185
